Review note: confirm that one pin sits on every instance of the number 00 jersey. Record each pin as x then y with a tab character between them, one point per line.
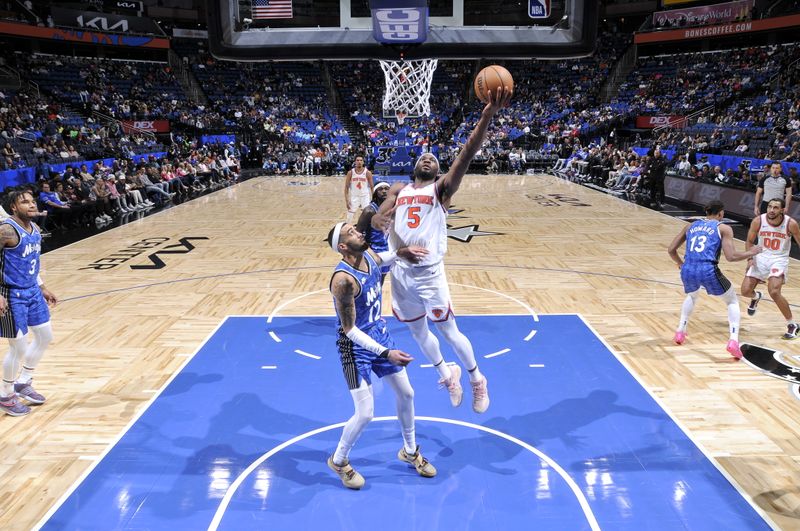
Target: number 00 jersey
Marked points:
19	265
703	242
420	219
775	240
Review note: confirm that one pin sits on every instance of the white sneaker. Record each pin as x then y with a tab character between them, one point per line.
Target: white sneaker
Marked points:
107	217
453	385
480	395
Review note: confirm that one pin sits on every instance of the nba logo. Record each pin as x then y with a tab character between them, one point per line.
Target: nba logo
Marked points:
538	8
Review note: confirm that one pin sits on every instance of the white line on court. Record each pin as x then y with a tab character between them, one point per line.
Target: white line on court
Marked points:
280	306
133	421
576	490
530	336
269	366
307	354
274	336
536	365
498	353
528	308
686	432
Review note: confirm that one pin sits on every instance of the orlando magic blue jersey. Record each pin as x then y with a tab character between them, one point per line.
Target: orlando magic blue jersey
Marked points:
19	265
703	242
377	238
368	300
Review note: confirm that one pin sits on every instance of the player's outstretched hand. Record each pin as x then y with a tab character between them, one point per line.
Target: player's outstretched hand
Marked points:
754	250
398	357
497	100
412	253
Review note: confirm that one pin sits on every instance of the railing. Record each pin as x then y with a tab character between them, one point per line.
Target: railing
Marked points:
682	121
623	67
11	73
104	118
185	77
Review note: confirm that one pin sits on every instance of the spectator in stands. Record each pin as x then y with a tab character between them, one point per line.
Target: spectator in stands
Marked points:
8	152
102	199
54	206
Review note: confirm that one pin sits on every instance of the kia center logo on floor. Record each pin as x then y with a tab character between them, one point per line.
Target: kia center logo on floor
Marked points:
154	260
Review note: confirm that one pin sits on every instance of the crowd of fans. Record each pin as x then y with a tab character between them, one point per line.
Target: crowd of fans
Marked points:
287	124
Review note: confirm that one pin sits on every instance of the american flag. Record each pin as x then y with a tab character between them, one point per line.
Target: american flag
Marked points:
272	9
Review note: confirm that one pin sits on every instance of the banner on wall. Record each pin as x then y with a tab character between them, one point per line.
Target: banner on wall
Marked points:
717	30
714	14
651	122
76	35
103	21
151	126
736	200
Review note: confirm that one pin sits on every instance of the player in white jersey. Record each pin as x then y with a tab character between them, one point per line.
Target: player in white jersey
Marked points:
420	291
357	188
775	231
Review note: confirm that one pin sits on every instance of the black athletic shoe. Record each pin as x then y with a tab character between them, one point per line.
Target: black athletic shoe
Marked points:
751	310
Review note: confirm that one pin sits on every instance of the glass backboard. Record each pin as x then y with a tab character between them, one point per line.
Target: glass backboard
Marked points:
262	30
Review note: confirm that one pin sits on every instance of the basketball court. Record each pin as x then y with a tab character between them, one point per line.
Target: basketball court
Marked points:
207	393
194	380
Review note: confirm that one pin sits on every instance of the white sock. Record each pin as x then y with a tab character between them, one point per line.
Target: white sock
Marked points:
686	310
404	394
42	336
364	405
734	313
11	363
461	346
429	345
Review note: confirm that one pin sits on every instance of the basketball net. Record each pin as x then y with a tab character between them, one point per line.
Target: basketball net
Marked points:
408	87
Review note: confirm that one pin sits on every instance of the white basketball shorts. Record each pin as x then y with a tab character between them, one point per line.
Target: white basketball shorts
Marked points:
765	266
420	291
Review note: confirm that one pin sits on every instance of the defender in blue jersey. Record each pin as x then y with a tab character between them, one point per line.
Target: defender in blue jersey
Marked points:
705	240
23	303
376	238
365	348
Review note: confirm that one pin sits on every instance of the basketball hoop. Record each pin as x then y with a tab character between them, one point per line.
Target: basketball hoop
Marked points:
408	87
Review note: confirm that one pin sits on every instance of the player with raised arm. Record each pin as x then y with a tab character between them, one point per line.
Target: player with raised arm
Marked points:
420	291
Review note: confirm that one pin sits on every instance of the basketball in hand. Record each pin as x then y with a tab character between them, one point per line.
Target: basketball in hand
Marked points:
492	78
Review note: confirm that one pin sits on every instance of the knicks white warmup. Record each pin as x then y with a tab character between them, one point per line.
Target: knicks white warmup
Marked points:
360	194
776	241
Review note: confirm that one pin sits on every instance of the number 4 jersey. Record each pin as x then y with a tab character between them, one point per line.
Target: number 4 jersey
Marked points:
420	219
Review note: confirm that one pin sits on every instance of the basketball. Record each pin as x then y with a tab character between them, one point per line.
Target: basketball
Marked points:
492	78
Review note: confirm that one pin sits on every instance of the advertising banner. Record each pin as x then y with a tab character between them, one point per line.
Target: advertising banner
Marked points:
152	126
719	30
651	122
104	21
693	16
76	35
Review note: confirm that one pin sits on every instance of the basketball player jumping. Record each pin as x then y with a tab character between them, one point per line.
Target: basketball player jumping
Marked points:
775	231
23	303
420	291
704	241
357	188
365	347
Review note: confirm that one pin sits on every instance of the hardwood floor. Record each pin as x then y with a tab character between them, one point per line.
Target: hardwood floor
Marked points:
121	332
